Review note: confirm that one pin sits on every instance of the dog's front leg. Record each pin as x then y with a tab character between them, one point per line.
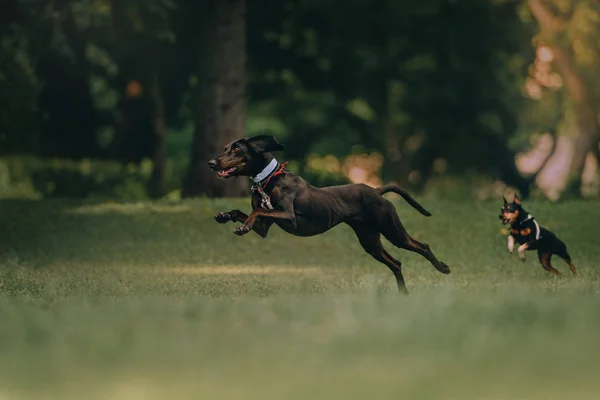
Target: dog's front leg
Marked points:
263	214
261	227
521	251
531	245
233	215
511	243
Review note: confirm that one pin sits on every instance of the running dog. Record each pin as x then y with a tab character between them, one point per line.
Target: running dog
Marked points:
525	230
281	197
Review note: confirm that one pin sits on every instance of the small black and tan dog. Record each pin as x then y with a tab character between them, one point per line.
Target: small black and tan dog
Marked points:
525	230
283	198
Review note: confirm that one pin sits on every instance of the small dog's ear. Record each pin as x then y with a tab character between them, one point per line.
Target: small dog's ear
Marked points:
517	201
505	201
264	144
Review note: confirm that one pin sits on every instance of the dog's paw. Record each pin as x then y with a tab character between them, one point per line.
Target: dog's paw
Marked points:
443	268
241	230
522	256
222	217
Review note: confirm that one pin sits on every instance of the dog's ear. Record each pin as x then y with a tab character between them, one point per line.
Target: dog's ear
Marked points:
517	200
505	201
264	144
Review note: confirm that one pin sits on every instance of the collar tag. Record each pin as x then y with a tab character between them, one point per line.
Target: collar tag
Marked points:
265	200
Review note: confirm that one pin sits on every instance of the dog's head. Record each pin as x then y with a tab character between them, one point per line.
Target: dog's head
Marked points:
245	157
509	212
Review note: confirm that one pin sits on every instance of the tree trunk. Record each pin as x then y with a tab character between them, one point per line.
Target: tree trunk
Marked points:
221	109
156	185
399	157
588	130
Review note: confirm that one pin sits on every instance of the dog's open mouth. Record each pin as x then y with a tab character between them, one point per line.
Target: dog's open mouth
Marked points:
505	220
226	172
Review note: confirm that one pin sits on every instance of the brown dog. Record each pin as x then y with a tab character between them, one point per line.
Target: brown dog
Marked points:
284	198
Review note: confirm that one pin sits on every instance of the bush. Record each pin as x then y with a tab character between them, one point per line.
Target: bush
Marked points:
34	178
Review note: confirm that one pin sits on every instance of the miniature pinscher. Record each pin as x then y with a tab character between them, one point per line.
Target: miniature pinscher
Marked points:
525	230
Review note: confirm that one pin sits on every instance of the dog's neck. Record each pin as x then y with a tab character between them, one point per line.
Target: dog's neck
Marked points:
523	216
270	167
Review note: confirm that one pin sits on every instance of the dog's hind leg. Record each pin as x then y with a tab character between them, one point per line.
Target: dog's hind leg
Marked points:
545	261
567	258
393	230
370	240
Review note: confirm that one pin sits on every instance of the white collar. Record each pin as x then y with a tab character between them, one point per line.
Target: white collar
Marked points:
266	172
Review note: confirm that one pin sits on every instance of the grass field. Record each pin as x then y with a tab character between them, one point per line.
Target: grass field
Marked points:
155	301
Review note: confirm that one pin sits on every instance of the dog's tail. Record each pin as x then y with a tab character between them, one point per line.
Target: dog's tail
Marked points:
398	190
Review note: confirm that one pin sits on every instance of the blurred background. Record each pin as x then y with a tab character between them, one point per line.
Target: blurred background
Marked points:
128	99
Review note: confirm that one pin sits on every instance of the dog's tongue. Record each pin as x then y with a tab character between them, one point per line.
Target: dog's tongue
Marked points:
226	172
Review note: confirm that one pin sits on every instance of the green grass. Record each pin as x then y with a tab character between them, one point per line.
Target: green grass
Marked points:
156	300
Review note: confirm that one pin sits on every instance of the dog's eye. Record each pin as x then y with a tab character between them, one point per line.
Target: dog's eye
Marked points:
236	149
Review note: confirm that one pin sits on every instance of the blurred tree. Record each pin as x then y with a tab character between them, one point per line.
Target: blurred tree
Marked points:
147	25
569	37
221	104
434	86
100	69
415	81
19	83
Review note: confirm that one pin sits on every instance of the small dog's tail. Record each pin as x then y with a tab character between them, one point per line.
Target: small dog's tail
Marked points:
398	190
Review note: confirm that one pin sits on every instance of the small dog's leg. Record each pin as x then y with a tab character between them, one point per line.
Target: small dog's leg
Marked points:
531	245
521	251
511	243
567	258
545	261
